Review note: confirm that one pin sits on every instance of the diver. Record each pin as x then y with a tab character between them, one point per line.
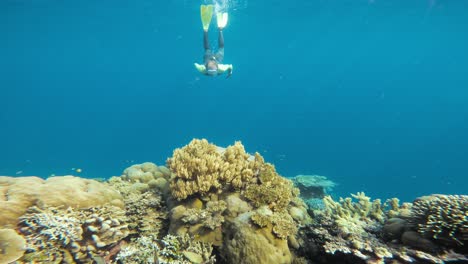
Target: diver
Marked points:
212	61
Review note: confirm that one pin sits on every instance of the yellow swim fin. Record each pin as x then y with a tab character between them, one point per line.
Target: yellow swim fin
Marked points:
222	19
206	13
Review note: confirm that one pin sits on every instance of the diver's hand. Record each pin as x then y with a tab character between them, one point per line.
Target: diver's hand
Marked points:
229	73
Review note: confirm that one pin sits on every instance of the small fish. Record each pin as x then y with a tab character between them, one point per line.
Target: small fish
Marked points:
78	170
19	172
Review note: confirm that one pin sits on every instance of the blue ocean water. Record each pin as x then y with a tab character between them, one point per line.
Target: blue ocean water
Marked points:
371	94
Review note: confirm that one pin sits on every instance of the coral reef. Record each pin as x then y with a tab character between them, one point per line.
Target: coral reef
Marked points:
17	194
214	203
12	246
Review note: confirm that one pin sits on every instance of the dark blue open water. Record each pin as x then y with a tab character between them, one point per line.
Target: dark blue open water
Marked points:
372	94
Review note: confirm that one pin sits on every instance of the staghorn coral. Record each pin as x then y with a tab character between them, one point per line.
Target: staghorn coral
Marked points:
12	246
443	218
397	210
352	217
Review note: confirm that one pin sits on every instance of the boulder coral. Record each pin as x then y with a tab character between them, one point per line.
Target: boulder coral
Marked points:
12	246
17	194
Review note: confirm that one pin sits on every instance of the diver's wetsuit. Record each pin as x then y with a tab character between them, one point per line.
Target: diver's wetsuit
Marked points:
219	55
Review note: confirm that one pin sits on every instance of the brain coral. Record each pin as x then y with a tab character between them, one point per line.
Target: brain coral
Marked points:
442	217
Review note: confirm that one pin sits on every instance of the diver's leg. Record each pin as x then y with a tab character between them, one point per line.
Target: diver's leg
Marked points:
206	42
220	53
220	39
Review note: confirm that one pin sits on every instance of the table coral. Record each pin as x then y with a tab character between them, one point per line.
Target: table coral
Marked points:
313	186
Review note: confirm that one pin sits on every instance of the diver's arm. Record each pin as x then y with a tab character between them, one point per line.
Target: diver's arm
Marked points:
200	67
229	71
222	68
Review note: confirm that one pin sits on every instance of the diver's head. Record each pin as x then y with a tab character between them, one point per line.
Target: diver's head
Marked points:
211	67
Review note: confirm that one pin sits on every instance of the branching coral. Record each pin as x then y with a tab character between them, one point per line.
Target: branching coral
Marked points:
351	217
170	249
54	235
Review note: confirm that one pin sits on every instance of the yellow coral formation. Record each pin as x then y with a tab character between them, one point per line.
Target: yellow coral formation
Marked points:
201	167
246	188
